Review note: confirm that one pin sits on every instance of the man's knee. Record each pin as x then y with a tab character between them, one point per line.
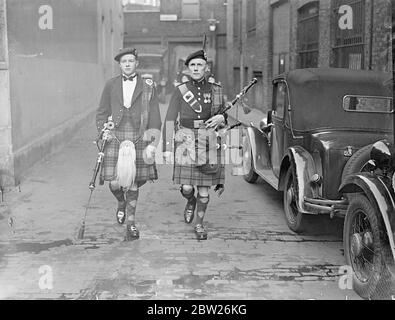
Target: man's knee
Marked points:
203	192
203	200
187	191
114	185
201	204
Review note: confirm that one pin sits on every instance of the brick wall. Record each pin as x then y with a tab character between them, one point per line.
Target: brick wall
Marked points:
376	40
381	42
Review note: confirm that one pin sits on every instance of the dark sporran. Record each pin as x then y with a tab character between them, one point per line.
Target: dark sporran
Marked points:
209	168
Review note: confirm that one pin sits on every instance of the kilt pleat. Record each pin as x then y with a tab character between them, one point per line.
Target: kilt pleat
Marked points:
144	171
185	170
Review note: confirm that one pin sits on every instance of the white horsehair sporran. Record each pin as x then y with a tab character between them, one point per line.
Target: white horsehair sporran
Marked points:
126	165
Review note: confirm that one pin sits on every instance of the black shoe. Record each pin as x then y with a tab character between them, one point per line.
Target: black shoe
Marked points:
189	211
200	231
120	215
132	233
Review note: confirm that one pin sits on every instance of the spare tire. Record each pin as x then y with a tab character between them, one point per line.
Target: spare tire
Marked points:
357	161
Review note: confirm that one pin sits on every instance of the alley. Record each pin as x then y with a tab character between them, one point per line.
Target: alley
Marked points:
250	252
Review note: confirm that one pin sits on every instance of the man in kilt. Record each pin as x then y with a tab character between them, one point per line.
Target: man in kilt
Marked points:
132	104
196	104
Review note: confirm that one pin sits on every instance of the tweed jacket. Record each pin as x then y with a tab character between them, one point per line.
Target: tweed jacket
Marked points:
111	104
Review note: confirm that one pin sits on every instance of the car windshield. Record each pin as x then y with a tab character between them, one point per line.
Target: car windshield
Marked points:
368	104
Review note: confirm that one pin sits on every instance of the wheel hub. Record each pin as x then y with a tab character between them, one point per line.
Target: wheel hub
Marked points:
356	244
368	239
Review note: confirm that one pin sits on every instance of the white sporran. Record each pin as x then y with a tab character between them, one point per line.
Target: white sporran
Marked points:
126	165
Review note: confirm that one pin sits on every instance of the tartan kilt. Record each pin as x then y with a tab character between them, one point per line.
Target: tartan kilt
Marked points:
188	173
144	171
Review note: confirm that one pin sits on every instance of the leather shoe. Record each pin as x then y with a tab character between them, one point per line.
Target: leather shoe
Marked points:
200	231
132	233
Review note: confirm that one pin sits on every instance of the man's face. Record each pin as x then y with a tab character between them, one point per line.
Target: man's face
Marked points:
197	67
128	64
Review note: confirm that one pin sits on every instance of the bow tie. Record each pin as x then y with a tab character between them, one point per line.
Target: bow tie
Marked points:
131	78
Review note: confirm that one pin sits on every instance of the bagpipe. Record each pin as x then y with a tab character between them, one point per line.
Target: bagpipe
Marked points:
221	132
240	95
103	137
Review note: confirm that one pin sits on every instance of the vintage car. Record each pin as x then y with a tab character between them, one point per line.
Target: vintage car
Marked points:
369	225
319	130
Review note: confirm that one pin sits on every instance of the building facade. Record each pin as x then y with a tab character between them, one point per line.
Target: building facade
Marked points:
276	36
175	28
54	59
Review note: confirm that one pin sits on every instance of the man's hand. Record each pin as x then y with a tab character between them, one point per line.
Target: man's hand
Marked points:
214	121
150	152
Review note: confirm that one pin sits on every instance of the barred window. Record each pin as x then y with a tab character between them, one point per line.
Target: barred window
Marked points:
308	33
348	46
190	9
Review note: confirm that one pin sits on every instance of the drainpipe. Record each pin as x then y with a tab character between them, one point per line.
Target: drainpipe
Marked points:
371	35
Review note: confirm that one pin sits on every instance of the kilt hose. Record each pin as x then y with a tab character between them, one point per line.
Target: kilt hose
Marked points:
186	172
144	171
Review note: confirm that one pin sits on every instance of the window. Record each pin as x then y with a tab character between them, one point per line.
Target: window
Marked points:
251	15
368	104
308	33
281	99
237	20
348	46
190	9
141	5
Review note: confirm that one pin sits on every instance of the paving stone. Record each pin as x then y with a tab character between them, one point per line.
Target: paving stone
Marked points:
247	256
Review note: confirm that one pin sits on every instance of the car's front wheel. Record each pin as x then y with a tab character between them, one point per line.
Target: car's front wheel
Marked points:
366	250
296	220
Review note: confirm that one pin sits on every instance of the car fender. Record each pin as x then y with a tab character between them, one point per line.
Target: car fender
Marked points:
257	142
303	168
377	192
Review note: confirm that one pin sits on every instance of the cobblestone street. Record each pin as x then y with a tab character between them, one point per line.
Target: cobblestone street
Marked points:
250	252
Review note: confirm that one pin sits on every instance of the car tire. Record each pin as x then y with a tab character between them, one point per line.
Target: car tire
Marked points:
357	161
296	220
249	174
364	236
